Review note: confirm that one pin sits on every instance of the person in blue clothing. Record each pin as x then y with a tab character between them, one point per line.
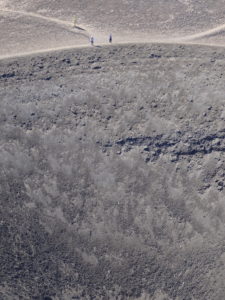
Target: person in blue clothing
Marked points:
110	38
92	40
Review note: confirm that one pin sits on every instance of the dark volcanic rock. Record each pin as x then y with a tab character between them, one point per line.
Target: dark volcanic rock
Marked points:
112	181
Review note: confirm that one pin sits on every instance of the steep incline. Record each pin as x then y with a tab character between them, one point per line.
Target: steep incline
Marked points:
23	32
112	174
42	24
152	16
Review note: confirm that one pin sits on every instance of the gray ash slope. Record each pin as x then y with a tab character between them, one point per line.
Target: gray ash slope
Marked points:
153	17
112	173
34	25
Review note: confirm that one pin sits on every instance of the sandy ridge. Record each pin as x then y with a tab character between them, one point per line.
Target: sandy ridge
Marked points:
207	33
65	24
80	30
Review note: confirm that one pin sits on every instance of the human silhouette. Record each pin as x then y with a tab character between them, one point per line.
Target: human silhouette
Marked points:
92	40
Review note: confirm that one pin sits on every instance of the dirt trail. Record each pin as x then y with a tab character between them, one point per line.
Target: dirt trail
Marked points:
100	37
65	24
205	34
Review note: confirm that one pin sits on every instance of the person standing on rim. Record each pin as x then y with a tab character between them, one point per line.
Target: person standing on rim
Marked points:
110	38
92	41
